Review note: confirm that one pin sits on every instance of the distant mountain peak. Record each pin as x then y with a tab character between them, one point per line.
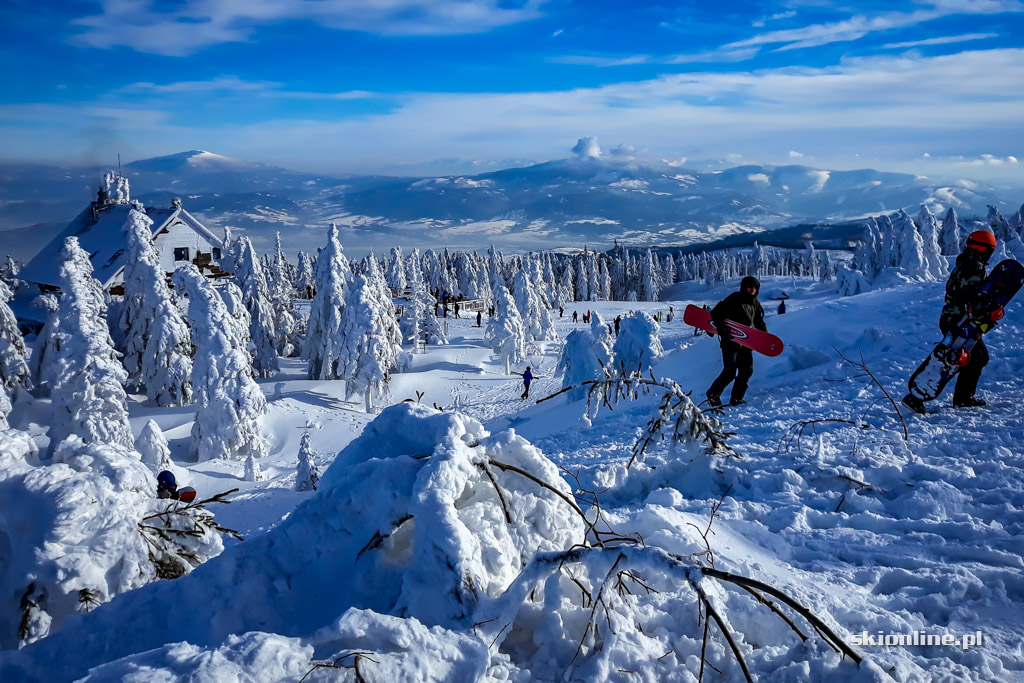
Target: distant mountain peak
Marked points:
197	159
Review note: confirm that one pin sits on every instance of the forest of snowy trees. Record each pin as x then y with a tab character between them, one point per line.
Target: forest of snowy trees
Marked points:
192	341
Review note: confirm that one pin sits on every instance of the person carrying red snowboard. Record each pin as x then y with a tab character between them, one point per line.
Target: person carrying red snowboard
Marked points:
737	361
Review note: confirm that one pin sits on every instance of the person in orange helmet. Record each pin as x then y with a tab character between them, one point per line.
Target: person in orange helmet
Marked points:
967	276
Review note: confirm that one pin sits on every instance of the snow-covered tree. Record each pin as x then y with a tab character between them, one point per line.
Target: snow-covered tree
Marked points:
253	471
238	314
585	356
949	235
396	270
252	281
40	365
850	281
418	318
325	311
116	187
14	371
537	321
505	331
649	285
638	344
153	447
281	289
369	349
305	281
935	266
230	404
89	401
306	474
156	346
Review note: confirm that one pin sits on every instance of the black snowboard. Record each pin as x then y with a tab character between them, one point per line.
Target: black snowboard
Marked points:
953	352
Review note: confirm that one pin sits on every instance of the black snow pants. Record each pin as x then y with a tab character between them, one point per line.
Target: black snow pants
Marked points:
738	365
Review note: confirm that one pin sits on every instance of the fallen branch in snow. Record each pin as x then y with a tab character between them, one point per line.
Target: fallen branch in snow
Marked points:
862	368
357	657
704	534
171	532
676	409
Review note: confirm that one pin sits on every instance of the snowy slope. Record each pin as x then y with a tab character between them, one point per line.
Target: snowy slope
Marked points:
871	532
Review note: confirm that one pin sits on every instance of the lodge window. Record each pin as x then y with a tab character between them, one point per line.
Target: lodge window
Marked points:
216	253
181	253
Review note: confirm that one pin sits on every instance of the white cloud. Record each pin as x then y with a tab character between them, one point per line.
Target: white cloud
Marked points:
759	178
587	148
942	40
795	155
858	26
722	56
191	25
884	108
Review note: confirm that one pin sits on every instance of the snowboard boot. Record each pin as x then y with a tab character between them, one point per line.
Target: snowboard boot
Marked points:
714	401
915	404
736	402
970	402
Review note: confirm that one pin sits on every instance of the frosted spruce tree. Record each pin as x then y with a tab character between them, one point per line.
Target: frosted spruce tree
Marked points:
419	320
279	284
252	280
14	371
396	270
40	365
537	323
238	314
230	404
325	313
89	401
153	447
307	476
369	349
585	356
935	266
305	281
505	331
156	345
637	345
949	234
253	471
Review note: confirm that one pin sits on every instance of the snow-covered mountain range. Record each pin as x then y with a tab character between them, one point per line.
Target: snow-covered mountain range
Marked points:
558	203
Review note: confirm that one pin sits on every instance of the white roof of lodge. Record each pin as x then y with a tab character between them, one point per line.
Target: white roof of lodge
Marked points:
104	241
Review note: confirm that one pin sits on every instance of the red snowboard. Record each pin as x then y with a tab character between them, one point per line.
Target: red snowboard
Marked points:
756	340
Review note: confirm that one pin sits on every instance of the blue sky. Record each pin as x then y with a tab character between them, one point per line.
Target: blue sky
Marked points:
412	86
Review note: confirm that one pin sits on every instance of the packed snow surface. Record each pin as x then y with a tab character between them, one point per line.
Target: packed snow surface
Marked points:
424	556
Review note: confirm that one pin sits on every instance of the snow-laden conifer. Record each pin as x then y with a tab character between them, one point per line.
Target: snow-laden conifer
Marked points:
396	270
305	281
253	471
88	397
537	321
949	235
40	366
649	285
582	279
369	351
307	475
850	281
238	315
418	321
153	447
936	267
585	356
281	289
505	332
156	346
638	345
14	371
117	188
252	281
325	312
230	404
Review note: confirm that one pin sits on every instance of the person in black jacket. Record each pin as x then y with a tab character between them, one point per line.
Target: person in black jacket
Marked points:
737	361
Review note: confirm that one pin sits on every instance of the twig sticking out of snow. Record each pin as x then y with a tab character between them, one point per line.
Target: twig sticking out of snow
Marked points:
173	533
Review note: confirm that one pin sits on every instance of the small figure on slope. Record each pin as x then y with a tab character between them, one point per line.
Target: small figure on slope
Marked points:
527	379
737	361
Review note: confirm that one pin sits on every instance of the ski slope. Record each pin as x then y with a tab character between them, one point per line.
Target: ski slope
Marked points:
871	531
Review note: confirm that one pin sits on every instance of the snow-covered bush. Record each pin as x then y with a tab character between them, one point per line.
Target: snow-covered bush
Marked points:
638	344
153	447
73	534
585	356
850	282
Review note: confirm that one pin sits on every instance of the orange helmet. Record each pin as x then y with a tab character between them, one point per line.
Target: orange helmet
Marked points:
981	240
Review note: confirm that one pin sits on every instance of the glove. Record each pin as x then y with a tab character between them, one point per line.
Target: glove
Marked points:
996	314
